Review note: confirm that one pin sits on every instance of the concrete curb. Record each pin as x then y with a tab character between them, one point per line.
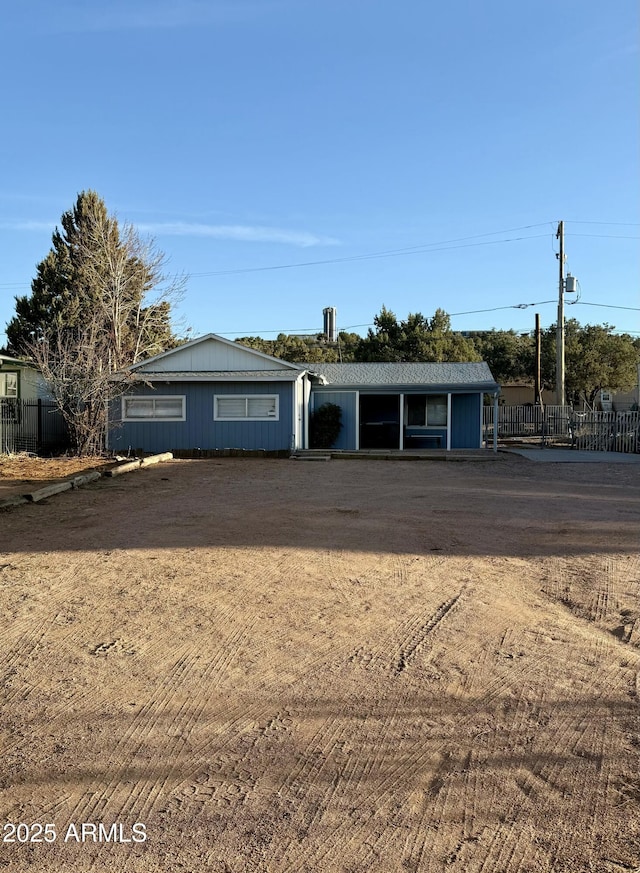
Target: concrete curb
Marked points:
156	459
85	478
123	468
48	491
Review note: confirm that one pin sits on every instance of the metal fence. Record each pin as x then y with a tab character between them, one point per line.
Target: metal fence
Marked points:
588	431
606	431
548	423
31	426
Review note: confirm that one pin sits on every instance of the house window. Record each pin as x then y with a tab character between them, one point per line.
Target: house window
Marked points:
8	384
154	408
426	410
250	407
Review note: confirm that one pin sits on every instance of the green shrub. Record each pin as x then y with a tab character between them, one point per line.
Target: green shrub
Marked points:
325	425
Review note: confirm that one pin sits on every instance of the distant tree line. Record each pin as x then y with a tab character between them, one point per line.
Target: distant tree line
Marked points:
595	356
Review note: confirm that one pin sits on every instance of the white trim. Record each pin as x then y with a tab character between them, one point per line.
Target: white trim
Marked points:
401	422
138	419
481	421
449	421
306	394
357	393
246	397
297	409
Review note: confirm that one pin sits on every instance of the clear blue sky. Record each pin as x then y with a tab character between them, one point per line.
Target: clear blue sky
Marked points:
246	134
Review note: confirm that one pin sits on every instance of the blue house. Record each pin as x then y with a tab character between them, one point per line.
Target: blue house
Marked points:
405	406
212	393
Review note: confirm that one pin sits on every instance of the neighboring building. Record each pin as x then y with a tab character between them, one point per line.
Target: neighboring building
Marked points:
212	393
19	380
28	421
617	401
523	394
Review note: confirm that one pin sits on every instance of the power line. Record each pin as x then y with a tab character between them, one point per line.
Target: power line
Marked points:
604	223
602	235
606	305
314	330
425	248
496	308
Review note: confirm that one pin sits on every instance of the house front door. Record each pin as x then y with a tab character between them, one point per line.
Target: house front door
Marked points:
379	421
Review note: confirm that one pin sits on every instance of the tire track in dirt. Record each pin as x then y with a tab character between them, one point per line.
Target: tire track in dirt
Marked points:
155	717
578	752
460	781
79	695
236	720
335	578
409	637
157	708
21	636
416	634
131	741
182	727
395	650
605	599
312	802
415	760
332	754
184	723
28	641
240	717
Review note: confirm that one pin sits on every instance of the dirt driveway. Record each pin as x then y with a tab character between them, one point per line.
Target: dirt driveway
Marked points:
254	665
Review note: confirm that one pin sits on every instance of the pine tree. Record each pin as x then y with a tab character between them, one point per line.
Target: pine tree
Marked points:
96	271
88	315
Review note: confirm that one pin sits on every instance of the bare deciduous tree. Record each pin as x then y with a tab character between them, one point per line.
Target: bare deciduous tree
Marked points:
101	302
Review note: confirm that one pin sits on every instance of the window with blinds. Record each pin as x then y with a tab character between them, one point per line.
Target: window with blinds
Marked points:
154	408
250	407
8	384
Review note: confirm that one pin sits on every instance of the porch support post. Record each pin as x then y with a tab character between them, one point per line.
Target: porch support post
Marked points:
495	422
401	422
357	393
449	421
306	408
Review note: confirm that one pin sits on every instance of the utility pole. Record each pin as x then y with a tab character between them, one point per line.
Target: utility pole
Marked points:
560	326
537	399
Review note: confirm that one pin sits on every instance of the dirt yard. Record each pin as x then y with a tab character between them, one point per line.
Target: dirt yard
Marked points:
278	666
21	473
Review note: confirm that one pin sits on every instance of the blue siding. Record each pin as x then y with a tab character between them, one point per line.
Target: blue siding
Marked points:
200	431
465	418
346	400
465	421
